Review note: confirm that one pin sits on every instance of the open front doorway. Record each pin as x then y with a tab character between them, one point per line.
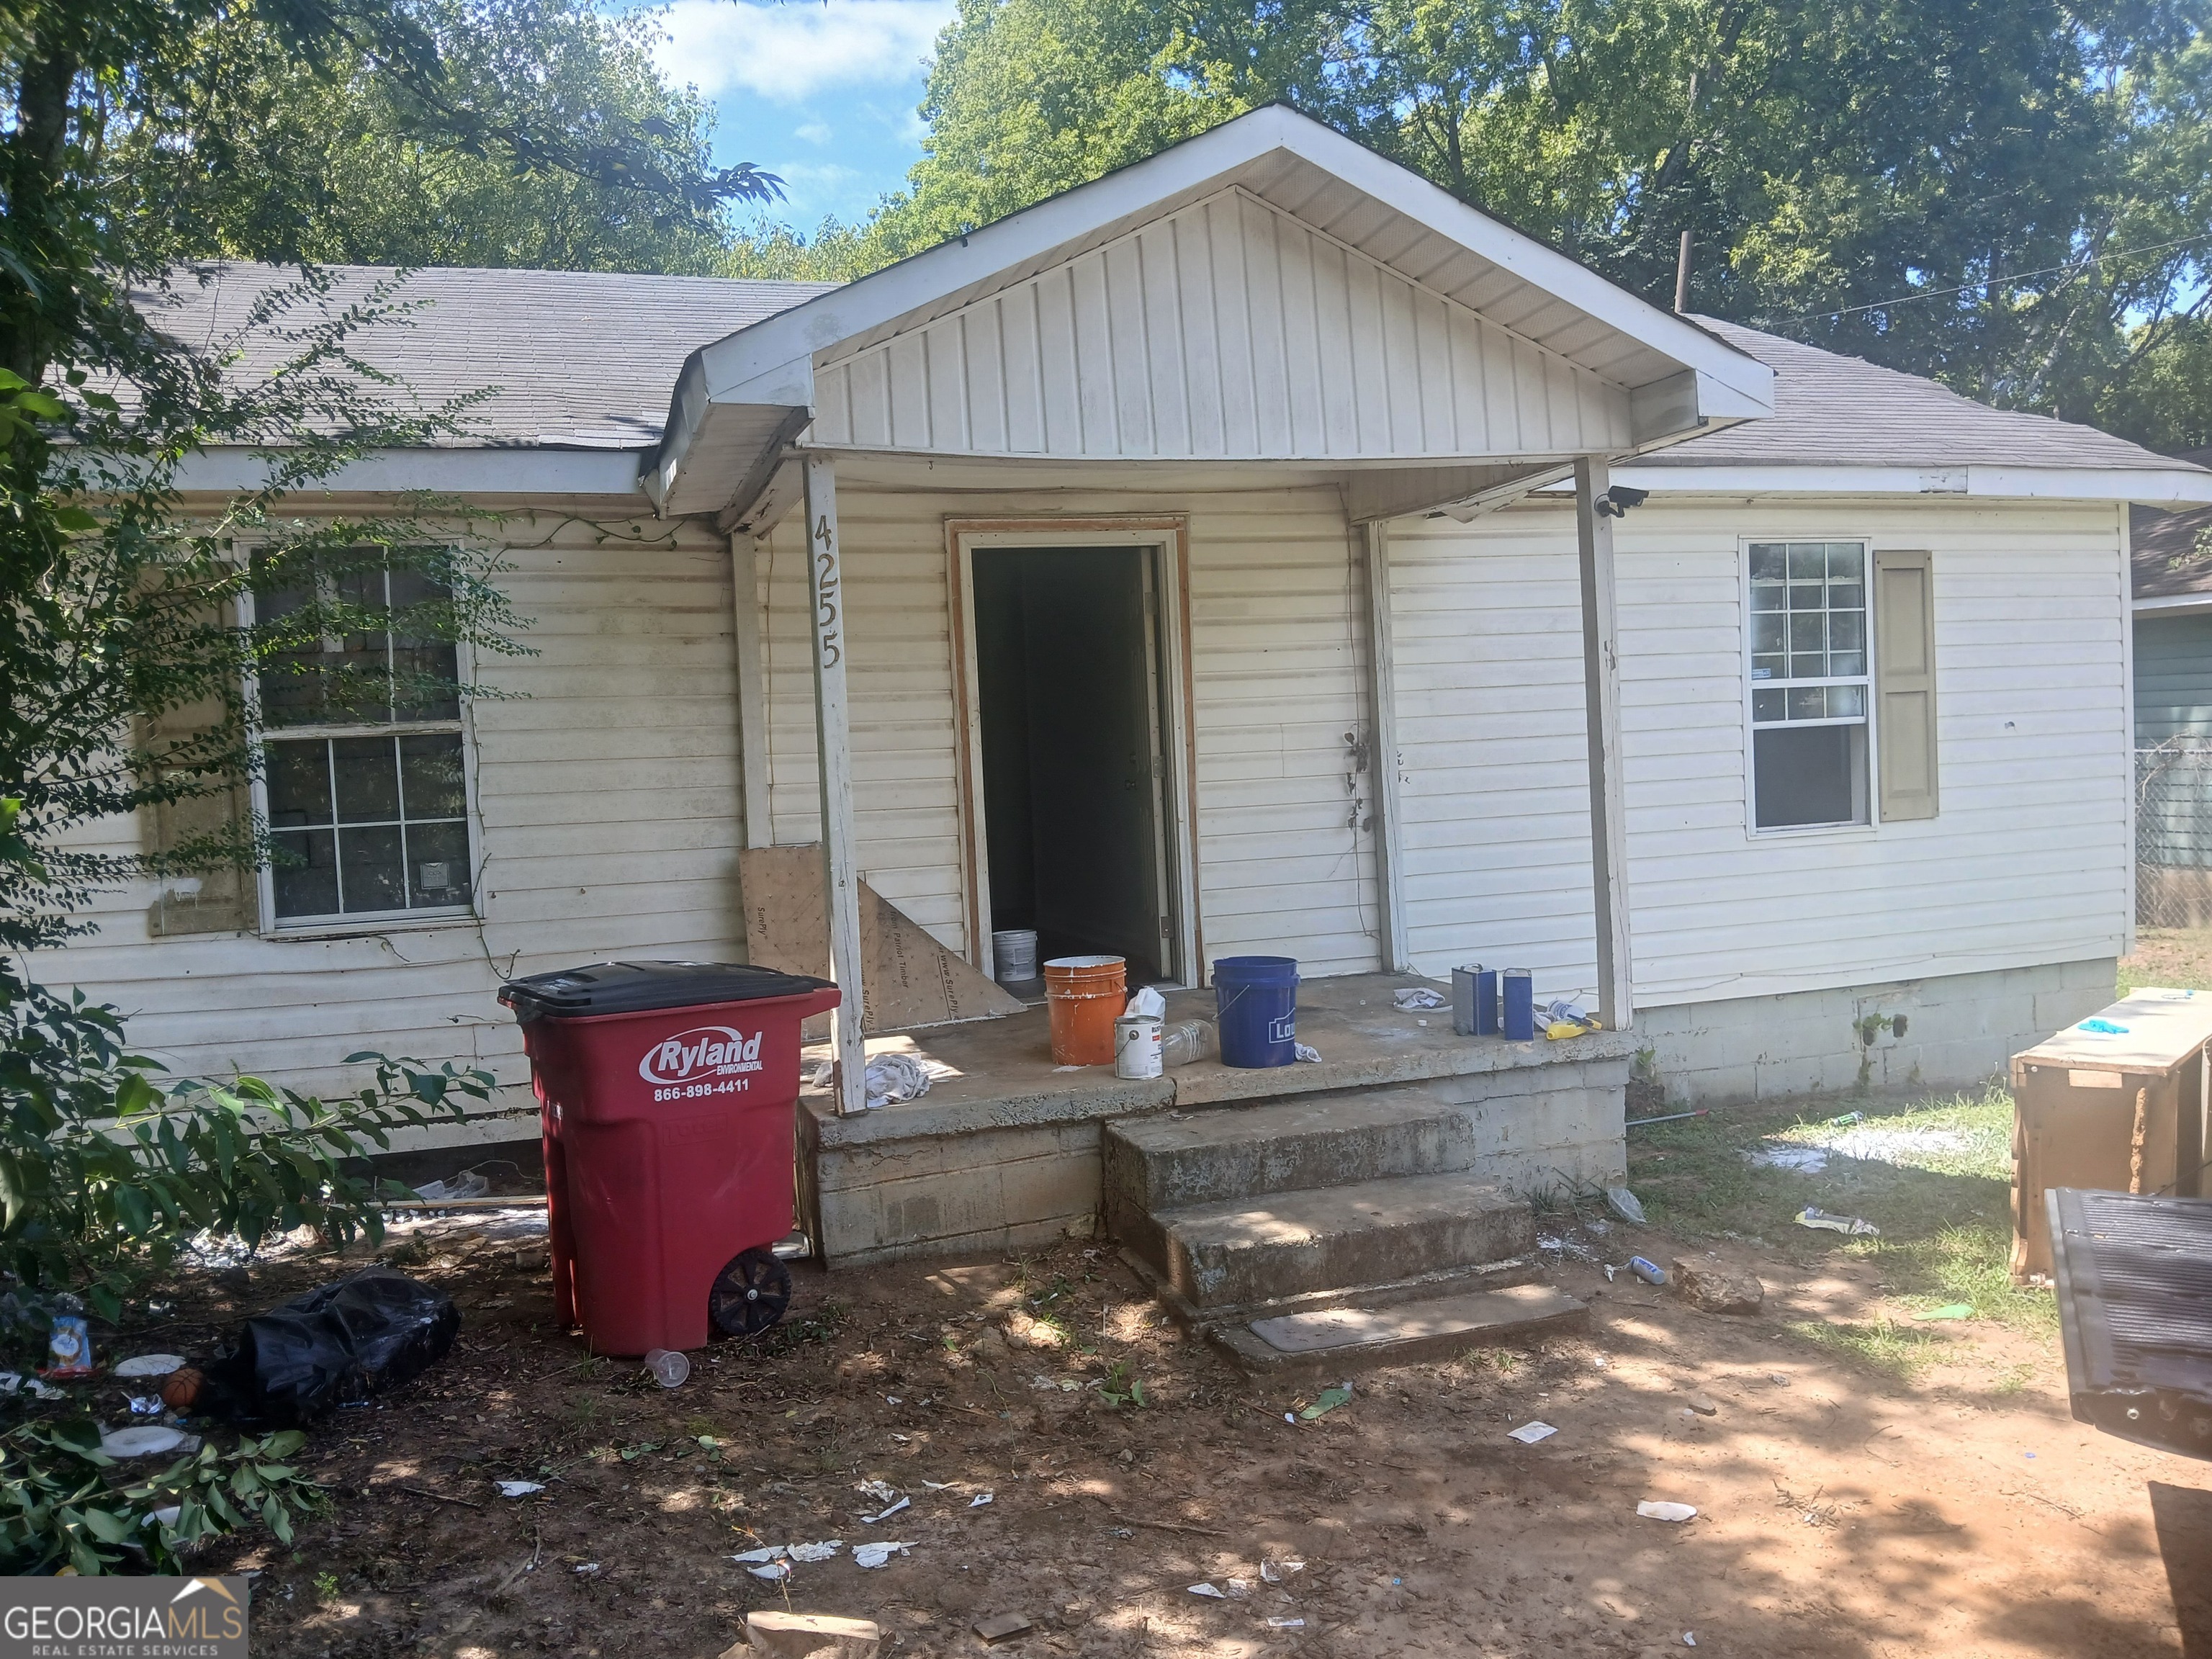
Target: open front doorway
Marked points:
1070	700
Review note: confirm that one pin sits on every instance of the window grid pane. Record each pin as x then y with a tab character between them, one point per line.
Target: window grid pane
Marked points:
1808	632
400	841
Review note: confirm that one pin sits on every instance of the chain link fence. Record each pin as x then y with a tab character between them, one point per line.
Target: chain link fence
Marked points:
2174	834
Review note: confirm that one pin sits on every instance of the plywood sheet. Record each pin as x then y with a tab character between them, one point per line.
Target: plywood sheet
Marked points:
2163	1029
907	979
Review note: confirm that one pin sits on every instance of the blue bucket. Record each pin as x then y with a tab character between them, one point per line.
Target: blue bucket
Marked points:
1257	999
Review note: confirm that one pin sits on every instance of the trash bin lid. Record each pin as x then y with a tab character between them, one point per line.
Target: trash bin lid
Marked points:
633	987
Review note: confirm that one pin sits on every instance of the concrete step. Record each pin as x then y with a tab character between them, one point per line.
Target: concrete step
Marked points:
1249	1251
1173	1160
1338	1340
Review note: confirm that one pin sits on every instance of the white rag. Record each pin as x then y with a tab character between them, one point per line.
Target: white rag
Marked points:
895	1078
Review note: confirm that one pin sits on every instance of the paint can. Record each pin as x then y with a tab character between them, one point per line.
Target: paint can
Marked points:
1257	1003
1084	995
1137	1045
1014	955
1474	1000
1519	1013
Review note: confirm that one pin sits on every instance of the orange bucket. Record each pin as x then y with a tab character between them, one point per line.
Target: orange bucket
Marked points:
1085	996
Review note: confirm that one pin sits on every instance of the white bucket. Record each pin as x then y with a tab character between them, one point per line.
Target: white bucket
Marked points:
1137	1045
1013	954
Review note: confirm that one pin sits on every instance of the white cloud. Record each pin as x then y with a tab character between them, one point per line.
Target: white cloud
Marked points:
786	53
814	133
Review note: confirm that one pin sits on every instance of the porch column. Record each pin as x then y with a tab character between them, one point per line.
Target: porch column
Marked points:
841	882
1601	703
1382	685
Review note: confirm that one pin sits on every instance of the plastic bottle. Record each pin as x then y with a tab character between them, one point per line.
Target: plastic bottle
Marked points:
1650	1272
669	1367
1187	1040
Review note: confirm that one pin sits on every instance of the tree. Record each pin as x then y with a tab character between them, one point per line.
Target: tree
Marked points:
2009	195
259	152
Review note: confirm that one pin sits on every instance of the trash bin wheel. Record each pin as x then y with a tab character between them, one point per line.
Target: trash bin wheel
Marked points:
750	1295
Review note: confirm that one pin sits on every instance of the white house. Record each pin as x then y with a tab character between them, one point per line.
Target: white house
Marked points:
1231	555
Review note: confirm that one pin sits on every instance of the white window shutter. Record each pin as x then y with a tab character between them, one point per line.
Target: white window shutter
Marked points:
1904	683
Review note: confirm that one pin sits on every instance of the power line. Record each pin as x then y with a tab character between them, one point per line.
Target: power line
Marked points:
2010	277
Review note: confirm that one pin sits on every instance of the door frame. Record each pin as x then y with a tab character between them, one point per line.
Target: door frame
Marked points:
1169	538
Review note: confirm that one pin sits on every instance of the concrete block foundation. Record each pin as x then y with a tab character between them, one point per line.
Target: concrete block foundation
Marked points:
1946	1031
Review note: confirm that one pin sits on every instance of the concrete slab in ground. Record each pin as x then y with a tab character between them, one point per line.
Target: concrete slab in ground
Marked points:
1334	1339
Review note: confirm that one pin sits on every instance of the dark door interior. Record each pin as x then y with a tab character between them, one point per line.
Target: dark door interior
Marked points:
1066	695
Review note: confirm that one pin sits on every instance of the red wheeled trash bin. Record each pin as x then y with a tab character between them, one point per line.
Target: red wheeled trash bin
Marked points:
668	1094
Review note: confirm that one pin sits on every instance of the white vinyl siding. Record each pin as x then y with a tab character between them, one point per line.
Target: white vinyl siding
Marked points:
2029	862
610	826
1227	329
1276	643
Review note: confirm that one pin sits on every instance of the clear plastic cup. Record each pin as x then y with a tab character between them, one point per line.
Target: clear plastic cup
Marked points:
669	1368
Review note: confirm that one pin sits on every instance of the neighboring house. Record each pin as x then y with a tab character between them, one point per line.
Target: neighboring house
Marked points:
2172	562
1264	487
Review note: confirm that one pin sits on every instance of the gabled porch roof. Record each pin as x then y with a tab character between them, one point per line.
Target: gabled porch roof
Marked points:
1269	293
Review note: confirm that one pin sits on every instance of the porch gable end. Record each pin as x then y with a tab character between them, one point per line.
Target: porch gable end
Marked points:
1225	330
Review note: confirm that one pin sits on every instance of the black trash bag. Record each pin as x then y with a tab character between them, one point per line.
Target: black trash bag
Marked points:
338	1345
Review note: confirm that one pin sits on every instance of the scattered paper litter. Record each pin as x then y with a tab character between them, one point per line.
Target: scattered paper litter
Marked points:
1240	1586
151	1364
586	1568
519	1488
1806	1160
874	1555
1209	1591
821	1551
1529	1433
1689	1638
773	1552
145	1404
1416	996
1276	1572
1851	1225
886	1513
1307	1053
1663	1511
148	1440
1286	1624
937	1485
980	1499
773	1572
882	1491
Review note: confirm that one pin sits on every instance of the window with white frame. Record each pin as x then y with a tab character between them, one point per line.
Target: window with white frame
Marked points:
364	776
1810	661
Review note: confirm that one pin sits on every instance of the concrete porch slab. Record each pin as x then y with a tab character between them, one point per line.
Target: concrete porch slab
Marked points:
1003	1153
997	1073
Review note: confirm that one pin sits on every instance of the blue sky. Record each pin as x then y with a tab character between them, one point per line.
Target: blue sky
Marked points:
822	92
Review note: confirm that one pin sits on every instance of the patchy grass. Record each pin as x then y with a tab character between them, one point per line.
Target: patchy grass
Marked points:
1899	1350
1934	1175
2179	958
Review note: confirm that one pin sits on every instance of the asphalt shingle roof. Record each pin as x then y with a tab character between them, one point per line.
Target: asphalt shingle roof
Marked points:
589	360
575	359
1833	410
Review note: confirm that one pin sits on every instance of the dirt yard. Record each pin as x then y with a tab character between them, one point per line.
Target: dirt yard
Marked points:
1920	1493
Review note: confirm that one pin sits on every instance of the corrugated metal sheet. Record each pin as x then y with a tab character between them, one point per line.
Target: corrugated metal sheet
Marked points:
610	827
2028	863
1226	330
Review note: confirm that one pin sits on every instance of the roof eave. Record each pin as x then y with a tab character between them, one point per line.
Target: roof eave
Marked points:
2179	486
